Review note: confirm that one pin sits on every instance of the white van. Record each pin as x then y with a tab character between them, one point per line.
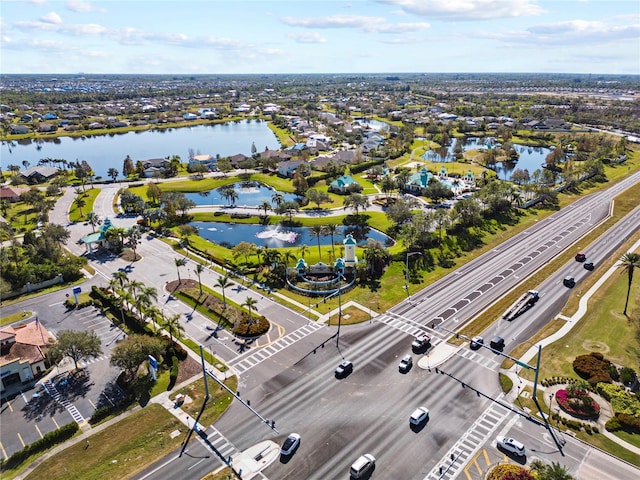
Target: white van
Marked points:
362	466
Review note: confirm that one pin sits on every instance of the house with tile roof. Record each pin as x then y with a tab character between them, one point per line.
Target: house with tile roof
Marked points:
21	354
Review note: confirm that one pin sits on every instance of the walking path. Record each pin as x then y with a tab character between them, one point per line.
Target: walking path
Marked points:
570	323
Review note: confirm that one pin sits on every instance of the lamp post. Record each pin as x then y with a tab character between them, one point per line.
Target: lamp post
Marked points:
406	271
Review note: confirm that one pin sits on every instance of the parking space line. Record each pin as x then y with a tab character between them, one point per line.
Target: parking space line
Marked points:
20	438
10	408
92	404
56	423
39	432
4	452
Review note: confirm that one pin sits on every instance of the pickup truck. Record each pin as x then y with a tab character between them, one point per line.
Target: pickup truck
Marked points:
421	342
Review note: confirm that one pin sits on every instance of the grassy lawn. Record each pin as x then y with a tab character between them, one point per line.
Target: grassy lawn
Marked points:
14	317
602	442
350	316
633	439
603	329
76	214
118	451
219	399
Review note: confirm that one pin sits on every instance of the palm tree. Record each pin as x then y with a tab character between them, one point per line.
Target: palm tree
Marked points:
318	231
144	299
121	276
113	173
134	287
277	199
180	262
264	206
153	312
223	282
199	270
94	220
250	303
303	250
80	202
331	229
629	261
172	324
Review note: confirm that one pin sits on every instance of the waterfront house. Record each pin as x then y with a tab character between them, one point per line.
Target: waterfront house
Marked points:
342	184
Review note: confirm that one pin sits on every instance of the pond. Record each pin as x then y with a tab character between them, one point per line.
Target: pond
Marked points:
105	151
231	234
530	158
250	194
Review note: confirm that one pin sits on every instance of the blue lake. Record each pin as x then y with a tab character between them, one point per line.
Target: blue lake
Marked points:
250	194
105	151
530	158
231	234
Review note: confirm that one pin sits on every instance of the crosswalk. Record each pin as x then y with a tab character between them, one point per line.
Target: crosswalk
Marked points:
245	362
222	445
487	362
469	443
51	389
401	323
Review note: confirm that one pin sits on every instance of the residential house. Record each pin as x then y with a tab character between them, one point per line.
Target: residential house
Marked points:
12	194
21	354
190	116
237	158
154	166
18	129
49	116
209	161
46	128
39	174
342	184
26	118
288	168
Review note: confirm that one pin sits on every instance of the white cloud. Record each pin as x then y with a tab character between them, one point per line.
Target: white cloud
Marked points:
79	6
51	17
468	9
399	27
334	21
311	37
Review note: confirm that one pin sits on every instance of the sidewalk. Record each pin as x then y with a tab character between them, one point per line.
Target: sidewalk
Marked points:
519	383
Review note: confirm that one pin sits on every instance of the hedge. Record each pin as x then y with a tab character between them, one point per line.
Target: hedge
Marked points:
593	367
50	439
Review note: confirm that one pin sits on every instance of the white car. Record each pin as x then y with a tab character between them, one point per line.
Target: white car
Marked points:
511	445
290	444
362	466
405	364
419	416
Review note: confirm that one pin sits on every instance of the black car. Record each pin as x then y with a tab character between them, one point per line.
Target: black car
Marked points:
589	265
476	343
344	369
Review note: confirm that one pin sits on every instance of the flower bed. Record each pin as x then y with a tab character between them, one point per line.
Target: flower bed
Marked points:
578	403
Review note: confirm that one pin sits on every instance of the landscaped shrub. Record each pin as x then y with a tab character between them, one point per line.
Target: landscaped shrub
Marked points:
593	367
498	472
104	412
629	423
621	400
252	326
627	376
613	425
175	369
578	403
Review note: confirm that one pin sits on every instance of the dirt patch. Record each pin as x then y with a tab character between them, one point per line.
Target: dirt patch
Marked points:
188	368
595	346
184	283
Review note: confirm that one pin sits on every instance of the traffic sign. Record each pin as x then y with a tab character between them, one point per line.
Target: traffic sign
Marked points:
76	290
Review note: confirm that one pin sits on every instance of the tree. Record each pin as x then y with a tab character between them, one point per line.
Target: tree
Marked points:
94	220
172	325
388	185
224	165
131	352
180	262
318	197
229	193
127	167
77	345
154	192
331	230
133	240
265	205
629	262
113	173
300	183
244	249
80	202
318	231
356	201
199	270
223	282
250	303
277	199
555	471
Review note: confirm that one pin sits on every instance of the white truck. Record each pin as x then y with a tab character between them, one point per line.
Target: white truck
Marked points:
525	301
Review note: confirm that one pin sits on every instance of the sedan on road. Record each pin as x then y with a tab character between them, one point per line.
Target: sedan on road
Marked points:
290	444
511	445
419	416
405	364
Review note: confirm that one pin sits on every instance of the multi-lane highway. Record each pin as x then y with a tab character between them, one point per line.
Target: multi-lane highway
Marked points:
368	411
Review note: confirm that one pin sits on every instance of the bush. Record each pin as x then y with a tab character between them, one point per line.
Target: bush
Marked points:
613	425
629	423
627	376
175	369
621	400
578	403
104	412
593	367
50	439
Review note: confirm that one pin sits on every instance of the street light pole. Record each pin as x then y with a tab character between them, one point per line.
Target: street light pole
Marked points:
406	271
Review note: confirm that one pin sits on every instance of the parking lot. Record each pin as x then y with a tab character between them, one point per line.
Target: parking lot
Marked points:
65	395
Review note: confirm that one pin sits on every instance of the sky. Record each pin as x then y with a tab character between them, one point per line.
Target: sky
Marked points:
311	36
